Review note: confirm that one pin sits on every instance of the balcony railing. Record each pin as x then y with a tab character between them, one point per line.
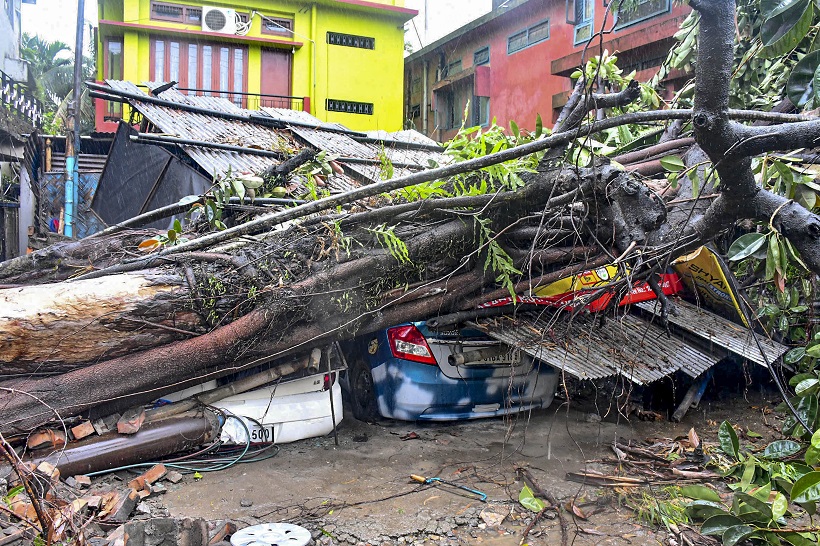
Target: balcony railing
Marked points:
19	98
109	113
249	101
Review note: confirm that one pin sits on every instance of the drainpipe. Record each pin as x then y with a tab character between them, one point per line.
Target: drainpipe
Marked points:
313	30
72	142
425	98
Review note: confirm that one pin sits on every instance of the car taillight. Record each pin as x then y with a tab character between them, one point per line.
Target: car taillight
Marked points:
330	379
408	342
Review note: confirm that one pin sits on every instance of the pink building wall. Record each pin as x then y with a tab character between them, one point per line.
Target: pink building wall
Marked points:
534	80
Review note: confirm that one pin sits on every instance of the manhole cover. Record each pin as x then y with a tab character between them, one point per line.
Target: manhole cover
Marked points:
271	534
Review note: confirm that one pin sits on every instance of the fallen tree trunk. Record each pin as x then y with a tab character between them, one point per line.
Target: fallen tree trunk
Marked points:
48	329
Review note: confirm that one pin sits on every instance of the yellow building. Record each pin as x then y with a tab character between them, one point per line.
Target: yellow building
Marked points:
340	60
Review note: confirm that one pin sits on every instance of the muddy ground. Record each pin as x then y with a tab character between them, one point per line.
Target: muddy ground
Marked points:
359	492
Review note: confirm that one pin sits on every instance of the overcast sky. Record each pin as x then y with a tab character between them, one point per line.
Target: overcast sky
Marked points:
443	17
55	19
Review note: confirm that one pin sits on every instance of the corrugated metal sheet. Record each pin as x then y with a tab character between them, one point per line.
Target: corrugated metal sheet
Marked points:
324	136
718	331
212	129
300	116
636	347
590	349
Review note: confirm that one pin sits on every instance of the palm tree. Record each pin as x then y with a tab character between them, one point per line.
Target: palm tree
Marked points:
52	71
52	68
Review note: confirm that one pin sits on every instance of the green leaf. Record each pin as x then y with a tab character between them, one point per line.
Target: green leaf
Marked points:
528	500
736	533
177	226
807	387
749	471
252	182
806	196
815	439
800	86
779	506
813	351
728	439
172	235
770	8
699	492
238	188
785	29
812	456
14	491
673	163
756	504
746	245
697	512
780	449
515	130
807	488
794	381
717	525
539	126
797	540
772	258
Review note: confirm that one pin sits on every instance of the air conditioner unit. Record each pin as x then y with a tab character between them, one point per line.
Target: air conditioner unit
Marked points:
221	20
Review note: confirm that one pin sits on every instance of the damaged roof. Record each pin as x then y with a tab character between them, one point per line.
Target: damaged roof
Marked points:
278	130
633	346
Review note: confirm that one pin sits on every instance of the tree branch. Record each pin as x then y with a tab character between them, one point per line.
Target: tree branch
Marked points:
760	139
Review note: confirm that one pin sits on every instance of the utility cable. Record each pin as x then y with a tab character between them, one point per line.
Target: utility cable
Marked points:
743	307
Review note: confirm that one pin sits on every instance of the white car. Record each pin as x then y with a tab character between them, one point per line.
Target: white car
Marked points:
280	413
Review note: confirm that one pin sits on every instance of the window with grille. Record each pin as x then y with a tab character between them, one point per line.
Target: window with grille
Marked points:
530	36
351	40
349	107
167	12
482	56
176	13
454	67
277	25
584	20
193	16
645	9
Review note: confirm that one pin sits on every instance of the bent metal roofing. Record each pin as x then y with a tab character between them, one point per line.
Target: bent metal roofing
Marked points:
273	130
634	346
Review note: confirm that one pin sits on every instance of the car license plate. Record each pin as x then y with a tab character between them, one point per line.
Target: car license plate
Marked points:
502	359
264	434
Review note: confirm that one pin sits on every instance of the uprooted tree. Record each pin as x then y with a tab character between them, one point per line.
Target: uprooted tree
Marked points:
90	323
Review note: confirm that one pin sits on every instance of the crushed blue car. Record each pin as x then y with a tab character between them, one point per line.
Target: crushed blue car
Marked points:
413	373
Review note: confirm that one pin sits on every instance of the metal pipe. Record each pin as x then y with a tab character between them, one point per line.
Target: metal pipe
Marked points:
235	387
152	442
73	130
426	68
149	138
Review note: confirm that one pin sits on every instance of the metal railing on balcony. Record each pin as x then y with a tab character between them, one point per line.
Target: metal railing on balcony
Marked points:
250	101
18	98
109	113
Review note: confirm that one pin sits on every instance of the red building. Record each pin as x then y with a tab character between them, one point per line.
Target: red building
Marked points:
514	62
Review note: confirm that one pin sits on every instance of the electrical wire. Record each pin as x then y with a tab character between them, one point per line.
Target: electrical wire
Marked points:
740	296
243	27
208	464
